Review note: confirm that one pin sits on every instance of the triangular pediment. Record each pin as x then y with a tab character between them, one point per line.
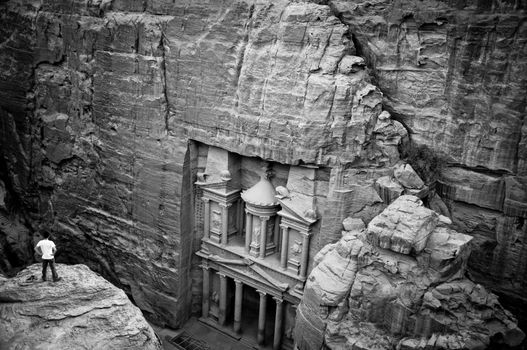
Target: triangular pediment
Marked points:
290	214
300	208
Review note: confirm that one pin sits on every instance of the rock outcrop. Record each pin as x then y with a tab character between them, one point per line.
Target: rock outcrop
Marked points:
370	291
102	103
82	311
455	74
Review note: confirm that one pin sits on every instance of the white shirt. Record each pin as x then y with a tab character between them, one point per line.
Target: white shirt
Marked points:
47	248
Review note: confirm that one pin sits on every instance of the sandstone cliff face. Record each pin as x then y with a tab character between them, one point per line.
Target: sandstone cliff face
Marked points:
102	100
455	74
16	246
100	106
82	311
369	292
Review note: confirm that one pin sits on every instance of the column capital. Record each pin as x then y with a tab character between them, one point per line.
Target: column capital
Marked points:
264	218
278	300
305	233
284	226
261	292
204	267
237	281
206	200
225	205
221	274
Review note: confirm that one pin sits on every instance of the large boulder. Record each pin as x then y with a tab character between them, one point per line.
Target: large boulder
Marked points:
82	311
404	226
363	295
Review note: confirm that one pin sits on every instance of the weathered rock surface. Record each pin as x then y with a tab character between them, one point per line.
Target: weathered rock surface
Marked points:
82	311
100	100
455	74
16	245
361	296
403	227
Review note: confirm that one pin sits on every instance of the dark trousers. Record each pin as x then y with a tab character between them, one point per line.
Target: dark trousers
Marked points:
51	263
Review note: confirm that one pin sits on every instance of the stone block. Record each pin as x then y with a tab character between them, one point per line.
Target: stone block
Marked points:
353	224
407	177
388	189
404	226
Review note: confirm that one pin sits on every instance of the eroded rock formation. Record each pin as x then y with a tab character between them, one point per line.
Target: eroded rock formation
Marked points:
102	104
399	283
82	311
455	73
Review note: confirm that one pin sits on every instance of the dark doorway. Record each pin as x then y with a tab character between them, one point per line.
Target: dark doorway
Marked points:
250	311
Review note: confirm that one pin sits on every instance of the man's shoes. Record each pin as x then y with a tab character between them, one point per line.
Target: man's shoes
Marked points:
57	279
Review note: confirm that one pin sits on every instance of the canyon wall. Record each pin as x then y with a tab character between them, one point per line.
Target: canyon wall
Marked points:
400	283
101	103
455	74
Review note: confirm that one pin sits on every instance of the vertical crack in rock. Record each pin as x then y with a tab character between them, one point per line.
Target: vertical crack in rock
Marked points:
162	42
518	144
327	45
271	65
240	57
451	67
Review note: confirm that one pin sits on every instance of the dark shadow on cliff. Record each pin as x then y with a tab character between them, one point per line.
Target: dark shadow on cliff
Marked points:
16	250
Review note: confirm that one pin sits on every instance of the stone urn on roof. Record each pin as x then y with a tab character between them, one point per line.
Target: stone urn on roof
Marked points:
262	222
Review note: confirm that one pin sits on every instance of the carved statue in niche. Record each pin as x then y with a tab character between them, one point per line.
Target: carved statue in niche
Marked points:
215	297
216	220
289	332
270	229
232	219
256	234
296	248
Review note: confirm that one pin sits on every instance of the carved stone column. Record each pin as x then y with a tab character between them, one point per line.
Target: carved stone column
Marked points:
206	292
263	235
277	232
285	246
238	306
248	231
224	223
223	299
305	253
240	217
206	219
261	318
278	324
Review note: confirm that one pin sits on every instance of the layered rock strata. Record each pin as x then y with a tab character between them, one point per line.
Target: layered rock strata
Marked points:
101	103
455	74
82	311
399	283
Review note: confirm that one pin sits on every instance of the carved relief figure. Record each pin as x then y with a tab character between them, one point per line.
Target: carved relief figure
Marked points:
232	219
216	220
270	230
296	249
256	234
215	297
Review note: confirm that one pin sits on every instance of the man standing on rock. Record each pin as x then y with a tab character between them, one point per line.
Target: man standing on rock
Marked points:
47	249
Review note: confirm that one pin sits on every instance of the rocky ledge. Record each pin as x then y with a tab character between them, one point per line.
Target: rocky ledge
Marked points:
400	284
82	311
